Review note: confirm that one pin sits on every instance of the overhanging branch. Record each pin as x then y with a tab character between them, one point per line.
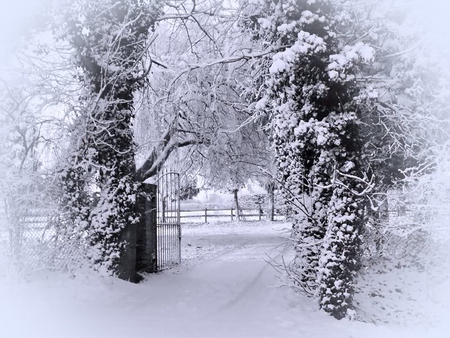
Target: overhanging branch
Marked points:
155	161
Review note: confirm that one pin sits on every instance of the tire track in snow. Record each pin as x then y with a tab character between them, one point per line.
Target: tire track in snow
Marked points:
240	297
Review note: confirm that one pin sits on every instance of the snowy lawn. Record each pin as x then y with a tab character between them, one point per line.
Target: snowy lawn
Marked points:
225	288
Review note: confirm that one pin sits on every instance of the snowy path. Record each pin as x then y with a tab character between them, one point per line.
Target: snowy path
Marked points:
232	292
225	288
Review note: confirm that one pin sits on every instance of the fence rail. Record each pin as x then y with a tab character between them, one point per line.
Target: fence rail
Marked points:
36	221
245	214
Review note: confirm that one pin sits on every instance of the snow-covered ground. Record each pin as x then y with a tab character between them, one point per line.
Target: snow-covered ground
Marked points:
224	288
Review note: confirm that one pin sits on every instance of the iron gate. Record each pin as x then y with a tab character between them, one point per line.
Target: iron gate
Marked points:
168	228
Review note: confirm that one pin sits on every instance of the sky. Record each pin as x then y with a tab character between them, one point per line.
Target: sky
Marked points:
15	21
16	15
435	16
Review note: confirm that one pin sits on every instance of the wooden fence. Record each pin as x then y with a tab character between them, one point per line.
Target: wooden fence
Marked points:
206	215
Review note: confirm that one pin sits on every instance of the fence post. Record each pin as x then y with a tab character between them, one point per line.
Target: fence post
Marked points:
231	214
206	215
260	212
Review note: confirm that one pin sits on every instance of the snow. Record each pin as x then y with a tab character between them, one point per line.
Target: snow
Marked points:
278	66
285	28
308	17
224	288
261	104
265	23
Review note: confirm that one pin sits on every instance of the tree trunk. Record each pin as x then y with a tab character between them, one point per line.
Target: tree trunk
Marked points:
310	227
236	204
341	254
380	220
271	203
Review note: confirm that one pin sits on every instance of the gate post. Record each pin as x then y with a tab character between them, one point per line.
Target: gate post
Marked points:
146	248
127	261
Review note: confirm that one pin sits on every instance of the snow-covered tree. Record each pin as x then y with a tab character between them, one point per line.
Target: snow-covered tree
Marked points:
338	136
198	98
109	41
29	136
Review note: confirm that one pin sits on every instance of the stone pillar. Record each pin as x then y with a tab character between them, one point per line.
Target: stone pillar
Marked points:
127	263
146	248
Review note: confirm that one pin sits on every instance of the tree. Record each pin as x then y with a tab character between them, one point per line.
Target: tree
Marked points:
323	95
235	157
28	134
107	65
202	105
109	40
344	128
